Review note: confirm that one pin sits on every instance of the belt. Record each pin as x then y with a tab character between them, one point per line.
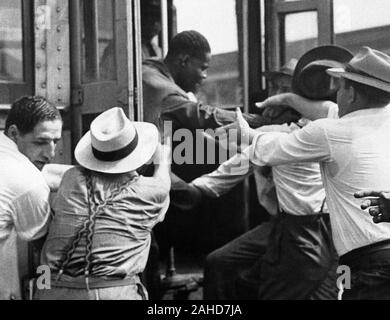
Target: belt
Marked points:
359	257
303	218
93	282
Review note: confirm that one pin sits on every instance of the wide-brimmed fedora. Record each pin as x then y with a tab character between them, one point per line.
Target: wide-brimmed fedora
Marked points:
115	144
370	67
310	79
286	70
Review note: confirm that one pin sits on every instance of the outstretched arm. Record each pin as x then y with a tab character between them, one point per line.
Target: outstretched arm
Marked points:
377	203
237	168
226	177
309	109
195	115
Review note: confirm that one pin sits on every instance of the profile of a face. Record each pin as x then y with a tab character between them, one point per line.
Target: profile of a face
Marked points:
40	144
193	72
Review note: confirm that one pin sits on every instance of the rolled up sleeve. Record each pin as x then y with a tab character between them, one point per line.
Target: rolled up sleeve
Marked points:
227	176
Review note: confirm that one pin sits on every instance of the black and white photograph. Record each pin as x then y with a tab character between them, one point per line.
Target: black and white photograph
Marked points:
195	154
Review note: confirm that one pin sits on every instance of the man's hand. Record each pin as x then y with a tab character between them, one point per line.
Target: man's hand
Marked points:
274	101
377	203
277	109
281	114
240	128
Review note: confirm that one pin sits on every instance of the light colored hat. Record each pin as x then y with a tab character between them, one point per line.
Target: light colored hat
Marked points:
115	144
285	70
370	67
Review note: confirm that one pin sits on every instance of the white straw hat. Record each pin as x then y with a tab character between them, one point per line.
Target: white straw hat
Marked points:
115	144
370	67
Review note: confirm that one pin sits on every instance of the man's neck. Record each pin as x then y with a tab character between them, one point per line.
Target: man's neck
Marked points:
170	64
364	106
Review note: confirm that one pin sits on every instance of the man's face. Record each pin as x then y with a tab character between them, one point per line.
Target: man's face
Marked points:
39	145
194	72
280	84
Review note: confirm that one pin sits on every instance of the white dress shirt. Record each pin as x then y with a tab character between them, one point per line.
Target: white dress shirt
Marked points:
298	185
24	211
354	154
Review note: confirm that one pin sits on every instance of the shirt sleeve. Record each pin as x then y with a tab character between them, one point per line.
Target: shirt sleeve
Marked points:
227	176
233	171
153	198
195	115
305	145
32	213
333	111
188	114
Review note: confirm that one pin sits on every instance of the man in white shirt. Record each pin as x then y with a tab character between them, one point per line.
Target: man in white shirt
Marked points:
353	155
301	198
300	235
33	128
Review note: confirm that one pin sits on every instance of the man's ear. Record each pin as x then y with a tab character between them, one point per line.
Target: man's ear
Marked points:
13	133
184	59
353	94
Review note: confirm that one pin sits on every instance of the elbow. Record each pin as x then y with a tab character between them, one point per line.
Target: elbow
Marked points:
266	159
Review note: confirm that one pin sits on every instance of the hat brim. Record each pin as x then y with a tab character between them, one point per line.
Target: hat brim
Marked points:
148	138
342	73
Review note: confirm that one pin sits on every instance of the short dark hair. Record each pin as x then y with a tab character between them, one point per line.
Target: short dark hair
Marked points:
27	112
371	94
189	42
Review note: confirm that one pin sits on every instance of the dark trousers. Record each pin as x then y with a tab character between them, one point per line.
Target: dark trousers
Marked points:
370	272
224	264
290	258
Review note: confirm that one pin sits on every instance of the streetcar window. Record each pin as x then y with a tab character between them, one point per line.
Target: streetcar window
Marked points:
362	23
301	33
98	47
217	21
106	40
11	41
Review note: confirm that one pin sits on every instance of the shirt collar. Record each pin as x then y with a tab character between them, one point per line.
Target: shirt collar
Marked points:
367	112
8	142
159	65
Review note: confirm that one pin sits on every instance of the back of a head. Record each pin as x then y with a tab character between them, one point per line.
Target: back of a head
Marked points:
368	72
370	94
189	42
27	112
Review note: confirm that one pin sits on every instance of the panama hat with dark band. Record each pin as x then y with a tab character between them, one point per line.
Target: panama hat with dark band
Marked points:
115	144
